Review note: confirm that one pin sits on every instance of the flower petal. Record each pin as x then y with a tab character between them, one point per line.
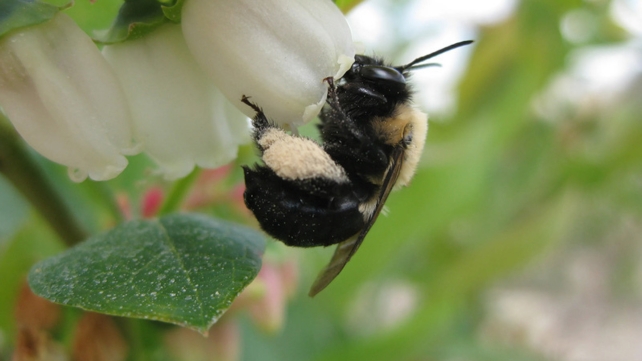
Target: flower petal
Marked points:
275	51
179	116
64	100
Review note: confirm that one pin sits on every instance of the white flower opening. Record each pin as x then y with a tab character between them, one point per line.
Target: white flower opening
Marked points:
275	51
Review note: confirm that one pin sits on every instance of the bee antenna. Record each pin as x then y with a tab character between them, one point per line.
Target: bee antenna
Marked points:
420	66
431	55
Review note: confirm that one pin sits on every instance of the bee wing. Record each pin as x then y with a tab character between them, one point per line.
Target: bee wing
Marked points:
347	248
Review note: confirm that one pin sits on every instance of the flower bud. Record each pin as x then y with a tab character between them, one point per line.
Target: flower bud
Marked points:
180	117
64	100
278	52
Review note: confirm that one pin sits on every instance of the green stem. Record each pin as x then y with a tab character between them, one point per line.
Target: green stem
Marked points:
20	169
103	193
178	192
134	332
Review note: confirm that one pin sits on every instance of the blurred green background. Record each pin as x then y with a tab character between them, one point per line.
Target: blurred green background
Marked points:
518	239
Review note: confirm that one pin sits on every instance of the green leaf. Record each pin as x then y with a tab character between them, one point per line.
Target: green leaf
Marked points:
183	268
94	16
346	5
16	14
173	12
135	19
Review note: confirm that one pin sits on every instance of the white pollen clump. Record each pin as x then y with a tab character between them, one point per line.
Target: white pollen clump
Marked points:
298	158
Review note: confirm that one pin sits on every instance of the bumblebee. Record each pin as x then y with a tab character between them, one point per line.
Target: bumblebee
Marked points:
308	194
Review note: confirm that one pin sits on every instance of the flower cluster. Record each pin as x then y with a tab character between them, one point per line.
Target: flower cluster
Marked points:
172	92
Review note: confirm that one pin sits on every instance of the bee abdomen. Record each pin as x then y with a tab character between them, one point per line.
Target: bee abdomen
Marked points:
310	213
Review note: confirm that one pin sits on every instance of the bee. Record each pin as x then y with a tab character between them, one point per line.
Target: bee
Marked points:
308	194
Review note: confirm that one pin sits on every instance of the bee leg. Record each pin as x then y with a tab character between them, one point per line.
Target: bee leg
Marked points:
336	113
245	99
338	129
260	122
333	98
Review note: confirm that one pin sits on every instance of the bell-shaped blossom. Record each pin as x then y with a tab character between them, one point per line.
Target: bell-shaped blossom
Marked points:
64	99
180	117
278	52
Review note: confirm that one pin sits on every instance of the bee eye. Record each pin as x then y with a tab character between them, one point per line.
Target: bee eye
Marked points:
378	72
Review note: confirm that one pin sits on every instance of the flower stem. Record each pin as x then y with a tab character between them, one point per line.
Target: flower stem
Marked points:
104	194
134	332
178	192
21	170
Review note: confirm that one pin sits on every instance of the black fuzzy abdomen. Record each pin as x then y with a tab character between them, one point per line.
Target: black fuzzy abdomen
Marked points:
316	212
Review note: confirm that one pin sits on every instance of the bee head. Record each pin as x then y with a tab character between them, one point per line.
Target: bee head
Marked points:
373	73
373	70
373	88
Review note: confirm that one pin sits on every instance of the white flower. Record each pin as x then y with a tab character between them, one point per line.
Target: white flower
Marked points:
64	100
180	117
275	51
70	105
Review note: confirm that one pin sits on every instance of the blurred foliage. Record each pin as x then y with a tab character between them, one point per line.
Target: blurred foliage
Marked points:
501	189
